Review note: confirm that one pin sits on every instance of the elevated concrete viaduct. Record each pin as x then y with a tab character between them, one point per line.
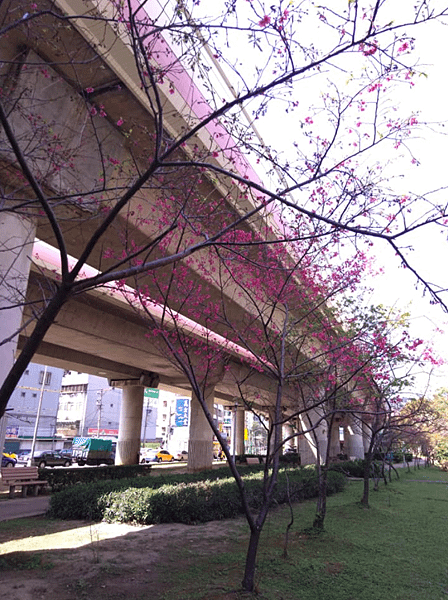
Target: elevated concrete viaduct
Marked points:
89	61
100	333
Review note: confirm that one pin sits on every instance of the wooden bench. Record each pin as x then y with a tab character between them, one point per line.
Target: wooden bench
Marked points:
252	460
26	477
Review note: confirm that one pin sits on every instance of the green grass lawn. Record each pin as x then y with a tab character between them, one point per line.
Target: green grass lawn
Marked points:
395	550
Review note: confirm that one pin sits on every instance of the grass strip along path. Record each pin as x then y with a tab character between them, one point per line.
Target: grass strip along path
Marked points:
395	550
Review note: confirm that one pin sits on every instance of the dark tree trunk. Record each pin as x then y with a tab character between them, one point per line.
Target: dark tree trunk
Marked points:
248	582
366	488
321	506
383	473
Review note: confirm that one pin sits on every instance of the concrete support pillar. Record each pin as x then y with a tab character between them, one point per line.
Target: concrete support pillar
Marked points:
16	245
307	448
366	437
271	415
312	442
355	442
302	444
288	431
200	445
335	447
128	446
240	422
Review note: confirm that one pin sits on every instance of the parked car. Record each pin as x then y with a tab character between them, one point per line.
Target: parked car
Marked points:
156	456
11	455
182	455
50	458
23	455
164	456
148	455
8	461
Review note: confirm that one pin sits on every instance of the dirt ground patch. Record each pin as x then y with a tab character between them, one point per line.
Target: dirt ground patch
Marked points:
68	560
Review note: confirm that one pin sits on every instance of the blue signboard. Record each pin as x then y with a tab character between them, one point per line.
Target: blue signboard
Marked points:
182	409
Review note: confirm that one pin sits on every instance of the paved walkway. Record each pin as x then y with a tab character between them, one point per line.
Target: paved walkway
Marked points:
17	508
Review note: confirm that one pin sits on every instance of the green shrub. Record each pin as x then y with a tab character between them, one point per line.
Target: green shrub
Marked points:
157	500
292	458
83	501
351	468
399	456
58	479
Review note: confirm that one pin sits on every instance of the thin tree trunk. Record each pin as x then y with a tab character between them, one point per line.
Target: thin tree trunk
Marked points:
383	472
322	472
248	582
321	506
366	488
291	521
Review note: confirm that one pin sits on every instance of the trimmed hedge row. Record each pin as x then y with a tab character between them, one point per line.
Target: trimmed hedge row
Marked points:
351	468
355	468
80	501
149	500
59	479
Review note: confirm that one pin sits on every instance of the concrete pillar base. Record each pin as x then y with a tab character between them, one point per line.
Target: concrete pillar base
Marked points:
199	452
239	430
307	442
287	432
128	445
355	441
200	445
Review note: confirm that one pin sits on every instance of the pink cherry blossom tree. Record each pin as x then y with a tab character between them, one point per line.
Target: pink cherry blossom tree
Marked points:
397	370
318	362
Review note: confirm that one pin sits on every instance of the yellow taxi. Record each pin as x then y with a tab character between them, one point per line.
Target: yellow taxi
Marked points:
156	456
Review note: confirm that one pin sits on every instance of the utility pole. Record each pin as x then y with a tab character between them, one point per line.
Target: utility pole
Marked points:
235	408
148	412
99	404
36	425
3	426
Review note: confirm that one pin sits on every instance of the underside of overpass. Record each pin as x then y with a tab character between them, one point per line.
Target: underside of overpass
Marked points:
94	332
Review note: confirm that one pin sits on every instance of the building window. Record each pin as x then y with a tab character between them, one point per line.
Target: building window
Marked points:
47	377
73	389
22	394
27	372
34	395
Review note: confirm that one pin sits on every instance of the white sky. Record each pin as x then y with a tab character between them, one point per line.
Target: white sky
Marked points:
430	256
429	97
